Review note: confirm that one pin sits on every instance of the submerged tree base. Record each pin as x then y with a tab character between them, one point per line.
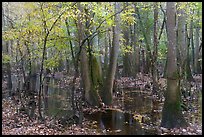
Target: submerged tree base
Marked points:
172	118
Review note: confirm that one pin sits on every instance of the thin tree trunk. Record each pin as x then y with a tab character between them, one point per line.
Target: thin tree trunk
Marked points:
181	41
83	62
126	59
7	46
41	73
106	56
189	76
8	70
147	42
136	49
192	45
155	52
197	51
46	32
71	47
143	60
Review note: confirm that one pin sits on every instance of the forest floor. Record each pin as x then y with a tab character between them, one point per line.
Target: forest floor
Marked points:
16	123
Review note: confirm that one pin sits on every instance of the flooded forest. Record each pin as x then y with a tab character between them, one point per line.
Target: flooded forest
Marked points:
101	68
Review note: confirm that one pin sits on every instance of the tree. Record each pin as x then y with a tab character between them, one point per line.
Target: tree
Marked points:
127	62
197	45
108	83
146	36
155	51
136	46
45	39
181	39
42	38
171	114
6	24
189	40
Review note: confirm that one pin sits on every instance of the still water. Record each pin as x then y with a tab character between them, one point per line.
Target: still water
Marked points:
113	122
137	109
59	100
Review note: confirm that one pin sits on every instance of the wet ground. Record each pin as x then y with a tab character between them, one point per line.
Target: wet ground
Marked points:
131	115
116	122
134	112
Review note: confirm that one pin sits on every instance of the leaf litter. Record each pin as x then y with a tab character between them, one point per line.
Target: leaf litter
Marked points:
16	123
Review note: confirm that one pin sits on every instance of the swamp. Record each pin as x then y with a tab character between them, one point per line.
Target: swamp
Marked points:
101	68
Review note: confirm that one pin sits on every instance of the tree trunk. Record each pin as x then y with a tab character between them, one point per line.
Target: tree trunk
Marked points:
171	114
96	82
165	69
143	61
137	56
108	83
33	81
41	73
105	66
181	41
71	47
8	70
137	50
189	76
192	46
197	51
155	52
86	82
5	24
45	90
93	71
147	40
127	68
126	61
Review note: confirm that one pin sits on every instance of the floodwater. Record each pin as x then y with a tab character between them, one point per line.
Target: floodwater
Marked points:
137	110
59	100
115	122
111	122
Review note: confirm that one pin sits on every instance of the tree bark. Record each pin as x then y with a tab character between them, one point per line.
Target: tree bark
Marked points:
126	58
189	76
171	114
83	60
197	45
181	40
137	50
192	45
5	23
155	51
108	91
105	66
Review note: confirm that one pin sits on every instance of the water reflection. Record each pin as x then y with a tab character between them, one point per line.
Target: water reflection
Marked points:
58	101
120	123
113	122
58	104
135	101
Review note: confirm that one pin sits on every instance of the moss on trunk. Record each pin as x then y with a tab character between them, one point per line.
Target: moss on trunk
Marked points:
96	82
172	116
